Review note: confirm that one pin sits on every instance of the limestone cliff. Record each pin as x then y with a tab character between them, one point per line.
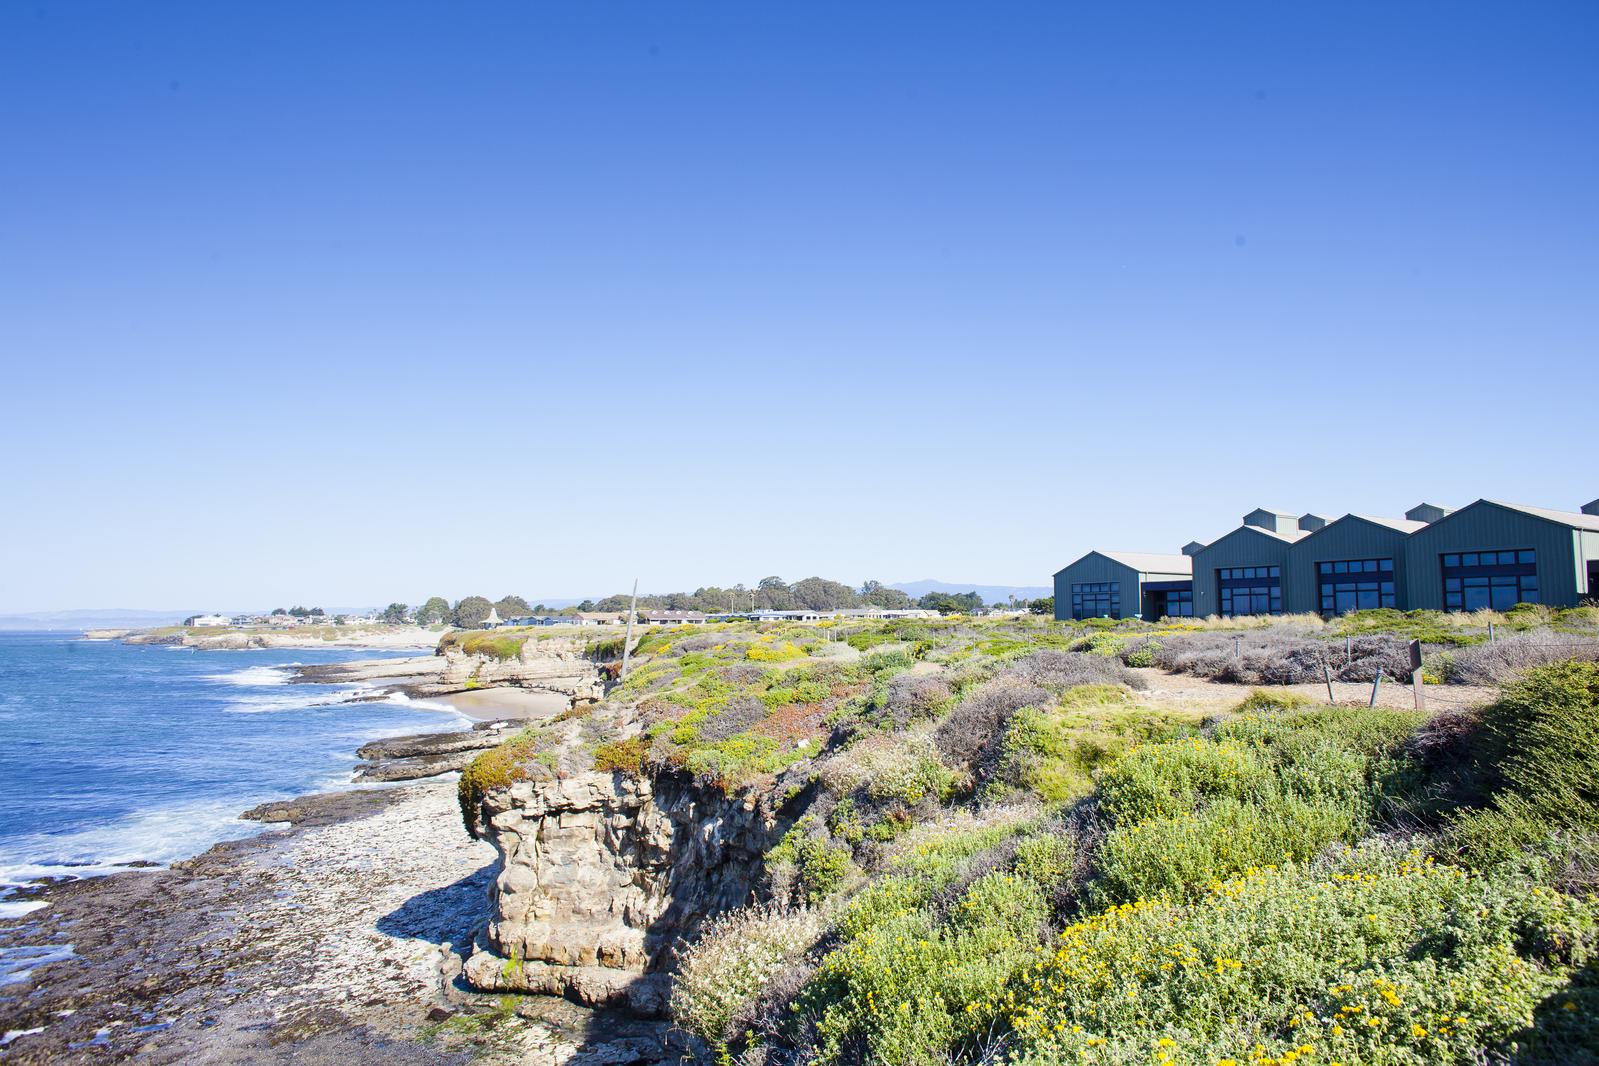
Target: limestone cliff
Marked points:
600	876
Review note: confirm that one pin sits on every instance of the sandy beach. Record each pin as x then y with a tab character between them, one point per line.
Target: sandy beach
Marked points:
504	704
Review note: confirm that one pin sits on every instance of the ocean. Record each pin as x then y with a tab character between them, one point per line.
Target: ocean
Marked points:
112	754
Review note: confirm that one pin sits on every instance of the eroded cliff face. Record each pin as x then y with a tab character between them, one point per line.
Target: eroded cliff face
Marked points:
600	876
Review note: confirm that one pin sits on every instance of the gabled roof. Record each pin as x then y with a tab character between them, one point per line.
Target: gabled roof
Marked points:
1573	519
1403	525
1286	538
1152	562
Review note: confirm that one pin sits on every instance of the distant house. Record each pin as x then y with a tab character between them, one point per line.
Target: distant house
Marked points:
674	618
207	621
600	618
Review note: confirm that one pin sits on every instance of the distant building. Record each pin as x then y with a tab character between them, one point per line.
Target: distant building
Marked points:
1490	554
600	618
207	621
1117	584
673	618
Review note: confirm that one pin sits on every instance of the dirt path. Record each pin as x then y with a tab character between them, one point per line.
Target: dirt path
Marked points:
1195	693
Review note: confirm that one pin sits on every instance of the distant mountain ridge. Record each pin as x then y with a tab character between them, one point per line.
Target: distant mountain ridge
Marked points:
989	593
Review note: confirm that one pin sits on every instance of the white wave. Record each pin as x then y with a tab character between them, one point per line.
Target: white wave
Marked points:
299	701
253	676
18	908
160	835
403	700
18	964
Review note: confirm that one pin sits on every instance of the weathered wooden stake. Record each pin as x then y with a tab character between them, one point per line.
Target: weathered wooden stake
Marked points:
1376	685
1326	672
627	641
1235	646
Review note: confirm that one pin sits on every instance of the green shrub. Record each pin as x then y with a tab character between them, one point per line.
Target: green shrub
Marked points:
733	957
1540	753
1271	700
505	764
1053	752
906	990
1141	653
783	651
622	756
732	762
909	774
1172	778
821	867
1046	859
1383	958
803	692
1179	855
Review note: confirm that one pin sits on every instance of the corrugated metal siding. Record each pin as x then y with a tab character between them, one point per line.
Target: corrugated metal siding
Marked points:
1092	568
1485	526
1587	552
1347	538
1244	546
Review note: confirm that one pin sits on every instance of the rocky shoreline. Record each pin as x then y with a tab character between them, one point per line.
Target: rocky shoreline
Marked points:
337	936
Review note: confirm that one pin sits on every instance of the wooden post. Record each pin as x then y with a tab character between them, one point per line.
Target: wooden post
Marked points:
1416	684
1490	632
1326	672
1235	646
1349	649
627	641
1376	686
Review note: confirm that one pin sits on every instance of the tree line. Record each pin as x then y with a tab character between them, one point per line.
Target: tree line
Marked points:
768	594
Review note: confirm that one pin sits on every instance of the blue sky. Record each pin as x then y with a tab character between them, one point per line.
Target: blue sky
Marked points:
350	303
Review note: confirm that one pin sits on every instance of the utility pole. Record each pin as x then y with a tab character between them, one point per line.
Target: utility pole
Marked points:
627	641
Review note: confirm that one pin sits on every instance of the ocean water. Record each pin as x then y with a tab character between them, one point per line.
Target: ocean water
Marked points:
112	754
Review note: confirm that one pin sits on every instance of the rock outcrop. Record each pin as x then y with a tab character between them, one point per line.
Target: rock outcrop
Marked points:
559	665
602	874
426	754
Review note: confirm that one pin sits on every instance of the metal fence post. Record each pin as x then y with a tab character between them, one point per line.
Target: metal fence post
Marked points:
1376	685
1416	684
1326	672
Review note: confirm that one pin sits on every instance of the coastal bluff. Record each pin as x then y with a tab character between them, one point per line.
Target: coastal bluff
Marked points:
603	874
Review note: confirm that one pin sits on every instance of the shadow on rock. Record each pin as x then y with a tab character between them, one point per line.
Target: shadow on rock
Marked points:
448	915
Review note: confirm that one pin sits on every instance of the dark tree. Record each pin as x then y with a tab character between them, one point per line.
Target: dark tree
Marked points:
877	594
513	606
819	594
471	612
950	603
1042	605
394	614
435	612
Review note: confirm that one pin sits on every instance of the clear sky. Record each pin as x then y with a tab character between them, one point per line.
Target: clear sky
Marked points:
347	303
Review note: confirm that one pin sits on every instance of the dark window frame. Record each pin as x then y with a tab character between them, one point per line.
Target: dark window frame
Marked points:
1471	582
1260	588
1344	585
1101	594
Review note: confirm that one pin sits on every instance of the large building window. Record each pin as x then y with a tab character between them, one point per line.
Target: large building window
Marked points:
1180	603
1250	590
1097	599
1496	579
1355	585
